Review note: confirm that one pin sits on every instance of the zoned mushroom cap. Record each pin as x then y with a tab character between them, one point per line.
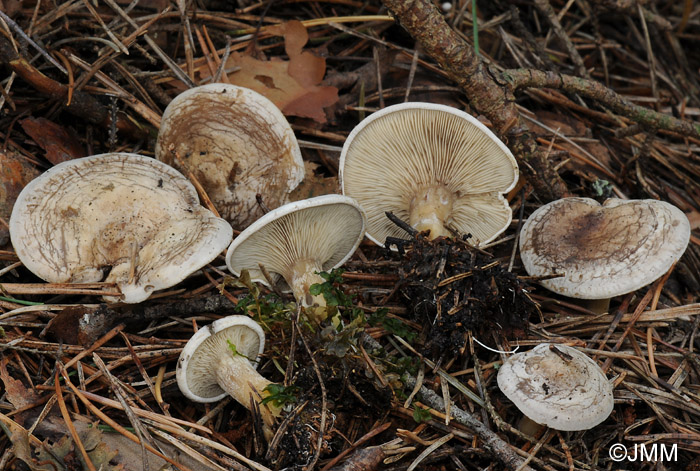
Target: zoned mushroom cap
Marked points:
414	154
197	363
325	229
564	390
130	216
602	251
237	143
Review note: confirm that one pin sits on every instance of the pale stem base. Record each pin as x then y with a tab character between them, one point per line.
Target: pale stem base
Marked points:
430	209
305	274
241	381
597	306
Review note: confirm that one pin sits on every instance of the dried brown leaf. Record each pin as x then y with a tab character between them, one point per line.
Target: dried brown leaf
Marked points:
292	85
94	442
18	395
307	69
694	218
295	36
23	449
59	143
314	184
15	173
311	104
11	7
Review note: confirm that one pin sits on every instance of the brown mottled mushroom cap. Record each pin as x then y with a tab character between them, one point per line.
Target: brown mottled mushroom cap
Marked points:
602	251
237	143
434	166
557	386
124	218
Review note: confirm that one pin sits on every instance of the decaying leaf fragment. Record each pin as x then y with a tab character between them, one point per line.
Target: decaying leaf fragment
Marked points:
292	85
314	184
59	143
15	392
15	173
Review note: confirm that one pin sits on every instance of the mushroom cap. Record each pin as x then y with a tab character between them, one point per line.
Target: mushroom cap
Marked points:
566	391
395	152
124	213
237	144
198	359
327	229
602	251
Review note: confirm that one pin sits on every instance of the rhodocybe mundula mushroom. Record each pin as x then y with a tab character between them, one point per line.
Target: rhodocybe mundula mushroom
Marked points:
557	386
297	241
122	218
434	166
237	144
602	251
221	359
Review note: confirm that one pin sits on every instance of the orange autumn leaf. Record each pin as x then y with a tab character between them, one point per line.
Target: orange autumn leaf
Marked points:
292	85
15	173
59	143
295	36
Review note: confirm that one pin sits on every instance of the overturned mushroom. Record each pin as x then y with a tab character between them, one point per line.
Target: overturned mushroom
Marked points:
298	240
434	166
602	251
119	217
237	143
221	359
557	386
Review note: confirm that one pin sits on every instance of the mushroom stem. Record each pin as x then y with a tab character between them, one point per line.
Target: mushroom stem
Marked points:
598	306
304	274
236	375
429	210
529	427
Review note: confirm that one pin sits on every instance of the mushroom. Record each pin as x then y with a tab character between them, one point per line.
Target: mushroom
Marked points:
297	241
221	359
122	218
602	251
434	166
237	144
557	386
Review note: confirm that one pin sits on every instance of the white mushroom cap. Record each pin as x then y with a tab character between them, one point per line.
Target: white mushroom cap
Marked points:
202	354
298	239
433	166
602	251
237	143
564	391
124	213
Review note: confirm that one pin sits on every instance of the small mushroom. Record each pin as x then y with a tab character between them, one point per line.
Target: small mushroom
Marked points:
602	251
221	359
557	386
297	241
122	218
434	166
237	144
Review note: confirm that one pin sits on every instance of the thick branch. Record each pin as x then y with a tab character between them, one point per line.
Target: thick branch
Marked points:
495	101
527	78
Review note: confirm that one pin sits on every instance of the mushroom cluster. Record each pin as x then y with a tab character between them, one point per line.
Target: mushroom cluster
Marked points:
434	166
119	217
